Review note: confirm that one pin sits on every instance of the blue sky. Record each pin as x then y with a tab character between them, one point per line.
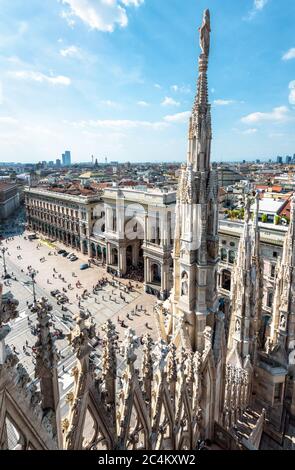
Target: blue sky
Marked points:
117	78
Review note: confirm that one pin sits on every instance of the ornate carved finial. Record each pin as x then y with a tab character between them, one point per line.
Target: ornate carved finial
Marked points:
129	346
208	334
46	354
83	333
247	208
147	362
8	307
109	361
172	363
46	368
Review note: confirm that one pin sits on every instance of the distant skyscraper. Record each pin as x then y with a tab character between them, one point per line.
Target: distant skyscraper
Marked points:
288	159
58	163
66	158
279	159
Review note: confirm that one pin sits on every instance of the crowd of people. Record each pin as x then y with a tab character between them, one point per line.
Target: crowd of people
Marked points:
108	288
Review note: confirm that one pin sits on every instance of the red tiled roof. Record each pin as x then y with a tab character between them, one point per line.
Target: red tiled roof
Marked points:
286	210
4	185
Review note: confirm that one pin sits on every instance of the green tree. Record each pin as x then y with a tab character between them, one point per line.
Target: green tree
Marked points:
264	218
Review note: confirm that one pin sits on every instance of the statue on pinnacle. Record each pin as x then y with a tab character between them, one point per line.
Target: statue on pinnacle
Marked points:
205	31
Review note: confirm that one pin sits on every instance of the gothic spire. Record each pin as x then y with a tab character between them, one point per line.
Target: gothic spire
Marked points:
246	292
200	131
147	366
46	367
109	361
282	327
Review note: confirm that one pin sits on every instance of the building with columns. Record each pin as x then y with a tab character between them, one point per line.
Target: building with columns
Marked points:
139	236
64	217
127	230
9	198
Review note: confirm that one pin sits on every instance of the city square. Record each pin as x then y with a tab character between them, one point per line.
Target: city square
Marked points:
119	300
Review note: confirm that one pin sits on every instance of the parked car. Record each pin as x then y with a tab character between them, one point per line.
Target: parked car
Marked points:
60	252
84	266
70	255
65	254
33	236
73	258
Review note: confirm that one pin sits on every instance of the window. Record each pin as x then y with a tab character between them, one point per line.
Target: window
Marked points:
223	254
278	392
184	284
226	280
231	257
223	242
232	244
275	254
272	271
269	299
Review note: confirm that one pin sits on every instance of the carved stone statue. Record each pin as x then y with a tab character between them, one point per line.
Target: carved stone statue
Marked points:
205	31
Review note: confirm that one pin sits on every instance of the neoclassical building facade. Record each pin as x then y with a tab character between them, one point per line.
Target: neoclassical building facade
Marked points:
129	231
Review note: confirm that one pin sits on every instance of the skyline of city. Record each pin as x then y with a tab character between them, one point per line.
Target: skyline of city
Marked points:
91	80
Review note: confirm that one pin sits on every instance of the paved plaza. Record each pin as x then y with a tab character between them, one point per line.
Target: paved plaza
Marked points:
127	308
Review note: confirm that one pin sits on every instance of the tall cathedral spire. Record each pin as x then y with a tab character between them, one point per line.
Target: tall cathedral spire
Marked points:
246	293
200	133
194	299
46	367
283	321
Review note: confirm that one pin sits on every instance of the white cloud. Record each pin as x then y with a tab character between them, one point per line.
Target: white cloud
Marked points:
169	102
110	103
292	92
133	3
120	124
103	15
223	102
180	89
71	51
250	131
178	118
156	85
260	4
8	120
290	54
41	77
67	15
143	104
279	114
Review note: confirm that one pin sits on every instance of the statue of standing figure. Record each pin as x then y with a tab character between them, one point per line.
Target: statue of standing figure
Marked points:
205	31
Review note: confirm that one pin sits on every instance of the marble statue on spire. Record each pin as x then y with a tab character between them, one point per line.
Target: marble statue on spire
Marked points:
205	31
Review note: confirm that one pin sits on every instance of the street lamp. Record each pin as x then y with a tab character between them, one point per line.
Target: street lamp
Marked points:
32	274
3	251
